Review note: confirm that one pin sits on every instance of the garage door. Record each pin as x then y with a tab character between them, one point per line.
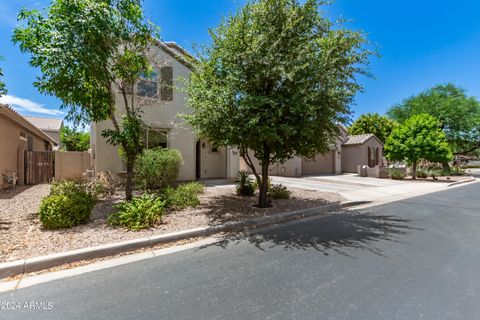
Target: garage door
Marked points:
322	164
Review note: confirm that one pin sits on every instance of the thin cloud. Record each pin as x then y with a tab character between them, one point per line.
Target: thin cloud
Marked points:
25	105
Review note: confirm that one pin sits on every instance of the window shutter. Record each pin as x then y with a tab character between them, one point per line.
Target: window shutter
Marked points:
129	88
166	89
29	143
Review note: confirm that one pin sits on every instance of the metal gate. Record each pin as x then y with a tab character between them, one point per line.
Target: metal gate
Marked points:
39	166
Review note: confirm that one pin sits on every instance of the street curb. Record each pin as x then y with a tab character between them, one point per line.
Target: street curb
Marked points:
461	182
18	267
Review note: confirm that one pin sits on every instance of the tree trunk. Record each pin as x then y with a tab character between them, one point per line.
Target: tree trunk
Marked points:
414	170
446	167
129	181
263	187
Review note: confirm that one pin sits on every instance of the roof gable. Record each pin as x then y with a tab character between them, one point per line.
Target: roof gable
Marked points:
360	139
176	52
18	118
47	124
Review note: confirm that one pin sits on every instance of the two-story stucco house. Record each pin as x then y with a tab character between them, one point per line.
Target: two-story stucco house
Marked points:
163	102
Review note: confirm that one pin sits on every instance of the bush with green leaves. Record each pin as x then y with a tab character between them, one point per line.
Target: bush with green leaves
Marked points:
141	212
245	184
434	173
66	186
66	209
157	168
279	191
396	173
183	196
422	173
96	188
457	171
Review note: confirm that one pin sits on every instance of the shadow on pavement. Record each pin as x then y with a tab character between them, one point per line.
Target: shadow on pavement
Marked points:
333	233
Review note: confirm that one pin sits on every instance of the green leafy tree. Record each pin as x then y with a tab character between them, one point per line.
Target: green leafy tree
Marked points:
3	89
458	113
276	80
74	140
418	138
88	51
380	126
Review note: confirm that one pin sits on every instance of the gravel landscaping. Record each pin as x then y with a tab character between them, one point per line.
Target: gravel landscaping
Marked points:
22	235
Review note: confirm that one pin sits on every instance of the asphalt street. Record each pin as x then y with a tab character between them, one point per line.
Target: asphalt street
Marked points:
413	259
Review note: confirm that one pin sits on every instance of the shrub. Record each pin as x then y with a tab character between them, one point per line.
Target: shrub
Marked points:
457	171
140	213
157	168
64	210
95	188
245	185
279	191
422	173
396	173
104	184
66	187
184	196
434	173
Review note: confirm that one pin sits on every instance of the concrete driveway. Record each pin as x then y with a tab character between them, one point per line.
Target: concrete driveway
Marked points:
355	188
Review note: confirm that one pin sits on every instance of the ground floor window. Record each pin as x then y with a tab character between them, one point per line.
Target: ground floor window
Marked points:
155	138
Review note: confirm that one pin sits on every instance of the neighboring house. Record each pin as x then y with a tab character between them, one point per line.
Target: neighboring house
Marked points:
363	149
18	135
50	126
345	155
163	102
328	163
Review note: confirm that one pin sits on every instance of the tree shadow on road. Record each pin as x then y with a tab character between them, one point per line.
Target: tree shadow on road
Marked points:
337	232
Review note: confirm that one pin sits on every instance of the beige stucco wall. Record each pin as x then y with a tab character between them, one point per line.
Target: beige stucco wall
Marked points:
71	165
356	155
352	157
290	168
12	147
55	135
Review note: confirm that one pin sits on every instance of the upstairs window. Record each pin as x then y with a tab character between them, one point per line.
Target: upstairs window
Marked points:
147	86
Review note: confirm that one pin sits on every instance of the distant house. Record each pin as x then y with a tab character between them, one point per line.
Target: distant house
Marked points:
18	135
363	149
327	163
50	126
345	155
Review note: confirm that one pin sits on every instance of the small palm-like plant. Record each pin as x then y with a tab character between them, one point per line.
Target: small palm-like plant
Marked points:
396	173
245	183
434	173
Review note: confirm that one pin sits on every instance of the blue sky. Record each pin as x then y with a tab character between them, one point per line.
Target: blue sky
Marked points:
421	43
